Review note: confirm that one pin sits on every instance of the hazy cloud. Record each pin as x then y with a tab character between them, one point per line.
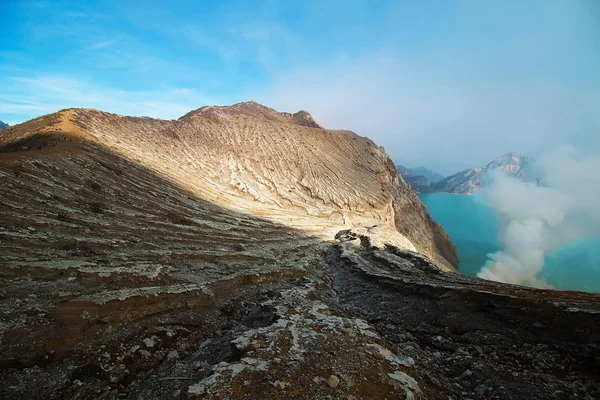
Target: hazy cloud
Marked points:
442	119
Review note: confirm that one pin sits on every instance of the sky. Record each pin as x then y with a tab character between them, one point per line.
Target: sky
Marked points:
448	85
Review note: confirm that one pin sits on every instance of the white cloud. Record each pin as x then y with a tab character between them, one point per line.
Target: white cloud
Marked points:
102	44
75	14
46	94
423	115
537	220
240	41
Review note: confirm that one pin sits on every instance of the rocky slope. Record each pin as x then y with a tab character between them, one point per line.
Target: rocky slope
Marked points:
3	125
468	181
243	253
279	165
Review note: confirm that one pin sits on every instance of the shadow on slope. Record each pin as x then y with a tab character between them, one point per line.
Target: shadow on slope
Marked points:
93	246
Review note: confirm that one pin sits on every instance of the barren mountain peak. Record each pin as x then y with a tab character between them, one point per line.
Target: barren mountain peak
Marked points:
257	158
256	110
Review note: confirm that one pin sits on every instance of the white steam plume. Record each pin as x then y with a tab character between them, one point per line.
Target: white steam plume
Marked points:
536	219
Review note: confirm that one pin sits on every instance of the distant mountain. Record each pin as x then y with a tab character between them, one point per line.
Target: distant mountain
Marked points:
427	173
432	176
419	184
468	181
3	125
405	172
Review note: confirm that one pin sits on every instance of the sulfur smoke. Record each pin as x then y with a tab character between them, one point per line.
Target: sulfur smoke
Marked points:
536	219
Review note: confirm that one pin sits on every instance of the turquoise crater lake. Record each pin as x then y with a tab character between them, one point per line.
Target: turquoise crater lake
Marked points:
473	227
470	222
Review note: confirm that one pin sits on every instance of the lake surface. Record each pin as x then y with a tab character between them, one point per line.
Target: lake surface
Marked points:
575	266
473	227
470	222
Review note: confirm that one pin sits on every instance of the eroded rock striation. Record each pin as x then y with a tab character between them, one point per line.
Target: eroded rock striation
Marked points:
253	159
239	252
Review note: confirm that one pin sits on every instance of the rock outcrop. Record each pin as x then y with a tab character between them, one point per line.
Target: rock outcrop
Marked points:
239	252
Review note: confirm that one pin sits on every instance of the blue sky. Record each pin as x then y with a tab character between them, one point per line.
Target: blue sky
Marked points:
446	84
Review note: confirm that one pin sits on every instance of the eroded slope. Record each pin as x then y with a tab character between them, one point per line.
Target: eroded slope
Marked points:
278	165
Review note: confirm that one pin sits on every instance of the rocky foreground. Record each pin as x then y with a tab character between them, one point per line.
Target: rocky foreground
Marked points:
243	253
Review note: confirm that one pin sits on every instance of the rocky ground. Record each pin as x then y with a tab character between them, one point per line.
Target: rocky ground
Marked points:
128	274
362	322
472	338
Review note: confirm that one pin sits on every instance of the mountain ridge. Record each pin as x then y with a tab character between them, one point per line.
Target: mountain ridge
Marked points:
200	258
468	181
155	134
254	109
